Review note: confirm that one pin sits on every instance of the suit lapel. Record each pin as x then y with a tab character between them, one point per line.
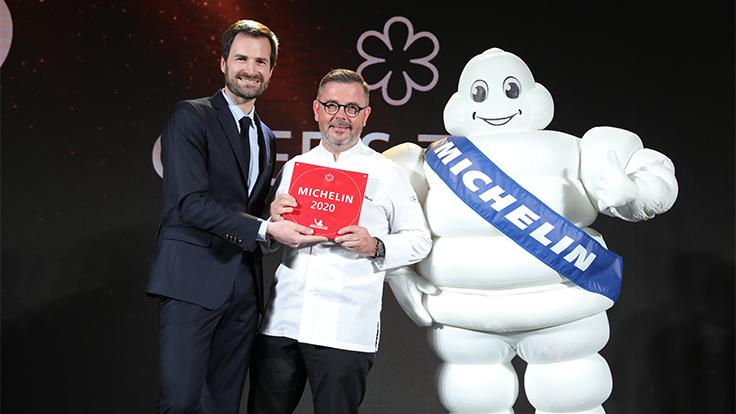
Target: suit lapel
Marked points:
264	176
227	122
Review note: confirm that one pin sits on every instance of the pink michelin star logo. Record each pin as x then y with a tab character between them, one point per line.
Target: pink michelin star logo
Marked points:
416	65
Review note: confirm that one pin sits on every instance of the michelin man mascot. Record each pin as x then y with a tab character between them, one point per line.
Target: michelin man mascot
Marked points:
516	268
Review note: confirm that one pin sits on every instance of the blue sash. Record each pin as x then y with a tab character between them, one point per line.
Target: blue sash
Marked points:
525	219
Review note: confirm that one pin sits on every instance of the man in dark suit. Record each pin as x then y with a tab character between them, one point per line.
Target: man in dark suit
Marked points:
218	160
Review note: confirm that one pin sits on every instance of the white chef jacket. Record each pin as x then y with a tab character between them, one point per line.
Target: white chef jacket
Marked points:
325	294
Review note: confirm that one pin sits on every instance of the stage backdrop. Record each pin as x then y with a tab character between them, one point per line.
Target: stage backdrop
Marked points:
86	87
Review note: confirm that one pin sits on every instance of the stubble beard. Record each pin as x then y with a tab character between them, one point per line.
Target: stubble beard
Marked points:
246	93
338	146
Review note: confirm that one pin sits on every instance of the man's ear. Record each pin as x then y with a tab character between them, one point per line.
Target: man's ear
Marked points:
222	65
367	114
315	108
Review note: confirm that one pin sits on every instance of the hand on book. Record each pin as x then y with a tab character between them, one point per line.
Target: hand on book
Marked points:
357	239
281	205
291	234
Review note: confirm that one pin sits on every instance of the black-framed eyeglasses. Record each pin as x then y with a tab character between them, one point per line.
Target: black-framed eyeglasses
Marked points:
351	110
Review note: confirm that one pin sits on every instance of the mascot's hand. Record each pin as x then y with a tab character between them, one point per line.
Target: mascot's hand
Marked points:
408	288
613	187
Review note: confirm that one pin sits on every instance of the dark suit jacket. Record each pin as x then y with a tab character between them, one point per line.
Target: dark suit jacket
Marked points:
208	229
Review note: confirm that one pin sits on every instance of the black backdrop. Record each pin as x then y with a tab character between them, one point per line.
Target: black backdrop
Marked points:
87	86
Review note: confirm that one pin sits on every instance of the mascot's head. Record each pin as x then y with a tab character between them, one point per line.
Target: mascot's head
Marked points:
497	93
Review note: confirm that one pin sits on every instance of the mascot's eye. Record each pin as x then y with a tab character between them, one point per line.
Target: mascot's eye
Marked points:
512	87
479	90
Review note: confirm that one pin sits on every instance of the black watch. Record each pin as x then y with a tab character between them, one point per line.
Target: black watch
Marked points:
380	249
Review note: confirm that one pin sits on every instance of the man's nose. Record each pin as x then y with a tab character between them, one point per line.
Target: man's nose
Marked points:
249	66
342	109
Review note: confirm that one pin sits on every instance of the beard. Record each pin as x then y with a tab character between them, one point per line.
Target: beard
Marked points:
346	140
245	92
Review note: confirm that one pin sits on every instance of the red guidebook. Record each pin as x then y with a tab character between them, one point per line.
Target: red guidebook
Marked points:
327	199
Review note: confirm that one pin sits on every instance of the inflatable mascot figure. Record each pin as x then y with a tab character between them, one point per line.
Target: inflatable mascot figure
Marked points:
516	268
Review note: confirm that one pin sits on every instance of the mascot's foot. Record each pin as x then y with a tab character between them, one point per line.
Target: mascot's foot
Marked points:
509	411
597	410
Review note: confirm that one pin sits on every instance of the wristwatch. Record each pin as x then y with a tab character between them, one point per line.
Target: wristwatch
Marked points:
380	249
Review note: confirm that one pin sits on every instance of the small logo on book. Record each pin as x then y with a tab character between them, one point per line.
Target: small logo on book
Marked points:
318	225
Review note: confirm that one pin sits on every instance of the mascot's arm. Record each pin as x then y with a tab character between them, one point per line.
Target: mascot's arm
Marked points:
622	178
410	157
406	285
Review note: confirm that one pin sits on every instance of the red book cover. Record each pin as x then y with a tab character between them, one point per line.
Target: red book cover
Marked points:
328	199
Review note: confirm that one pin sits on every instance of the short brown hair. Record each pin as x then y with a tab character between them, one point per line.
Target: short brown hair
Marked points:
344	76
254	29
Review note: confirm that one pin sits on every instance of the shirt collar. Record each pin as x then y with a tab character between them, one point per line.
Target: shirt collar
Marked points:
237	112
356	149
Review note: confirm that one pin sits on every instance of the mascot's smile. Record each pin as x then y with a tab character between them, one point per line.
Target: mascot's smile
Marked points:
498	121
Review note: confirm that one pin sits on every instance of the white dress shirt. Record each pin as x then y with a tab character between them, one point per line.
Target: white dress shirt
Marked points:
238	113
253	168
328	295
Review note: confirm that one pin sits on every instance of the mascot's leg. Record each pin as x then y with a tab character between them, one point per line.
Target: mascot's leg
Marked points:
476	375
565	373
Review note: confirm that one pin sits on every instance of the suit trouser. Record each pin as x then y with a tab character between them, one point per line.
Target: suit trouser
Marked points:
205	353
281	366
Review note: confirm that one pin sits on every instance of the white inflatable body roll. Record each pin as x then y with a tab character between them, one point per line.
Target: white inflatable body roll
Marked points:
488	262
509	311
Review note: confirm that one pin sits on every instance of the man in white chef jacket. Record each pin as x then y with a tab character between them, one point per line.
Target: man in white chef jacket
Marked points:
323	320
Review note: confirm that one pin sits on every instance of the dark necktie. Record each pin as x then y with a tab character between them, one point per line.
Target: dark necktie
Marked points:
245	135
